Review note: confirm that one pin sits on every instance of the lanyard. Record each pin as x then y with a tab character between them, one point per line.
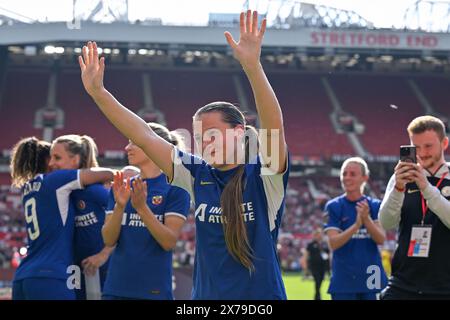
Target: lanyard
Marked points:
424	205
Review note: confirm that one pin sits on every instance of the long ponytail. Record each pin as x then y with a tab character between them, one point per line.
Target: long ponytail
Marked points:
234	228
83	146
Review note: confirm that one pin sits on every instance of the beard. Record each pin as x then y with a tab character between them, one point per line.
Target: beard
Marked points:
432	161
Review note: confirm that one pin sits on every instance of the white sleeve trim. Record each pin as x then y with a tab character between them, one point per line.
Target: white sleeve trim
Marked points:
181	176
79	180
175	214
275	192
62	196
332	228
109	212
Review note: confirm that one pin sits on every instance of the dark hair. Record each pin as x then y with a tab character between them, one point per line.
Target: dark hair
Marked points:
29	157
231	199
425	123
84	146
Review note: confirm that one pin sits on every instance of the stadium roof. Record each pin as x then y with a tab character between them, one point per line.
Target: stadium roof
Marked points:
124	33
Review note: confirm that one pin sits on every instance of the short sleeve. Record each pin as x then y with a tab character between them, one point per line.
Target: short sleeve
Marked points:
178	203
374	209
62	183
275	190
64	179
332	217
185	168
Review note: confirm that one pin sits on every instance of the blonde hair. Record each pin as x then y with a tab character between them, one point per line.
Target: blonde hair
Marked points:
84	146
364	167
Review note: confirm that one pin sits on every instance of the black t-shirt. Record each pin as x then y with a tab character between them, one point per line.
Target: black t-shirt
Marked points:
315	258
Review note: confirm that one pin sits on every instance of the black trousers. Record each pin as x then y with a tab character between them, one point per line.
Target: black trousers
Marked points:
318	276
394	293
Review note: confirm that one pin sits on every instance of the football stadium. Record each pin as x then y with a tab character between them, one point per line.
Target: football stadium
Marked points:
342	92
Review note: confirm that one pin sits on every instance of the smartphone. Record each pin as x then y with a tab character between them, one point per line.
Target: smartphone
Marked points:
408	154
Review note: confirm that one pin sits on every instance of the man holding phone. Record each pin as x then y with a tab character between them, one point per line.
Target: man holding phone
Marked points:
417	201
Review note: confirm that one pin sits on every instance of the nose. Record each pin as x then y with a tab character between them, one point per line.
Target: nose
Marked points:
421	153
128	147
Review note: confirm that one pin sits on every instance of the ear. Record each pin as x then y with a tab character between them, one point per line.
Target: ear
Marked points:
445	143
76	160
240	130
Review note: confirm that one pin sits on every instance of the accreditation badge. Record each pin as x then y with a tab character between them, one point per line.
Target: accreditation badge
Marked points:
419	245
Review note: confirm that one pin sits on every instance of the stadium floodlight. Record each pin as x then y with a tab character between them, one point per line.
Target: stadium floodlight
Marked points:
49	49
59	50
143	51
132	51
115	51
30	50
107	51
100	50
77	50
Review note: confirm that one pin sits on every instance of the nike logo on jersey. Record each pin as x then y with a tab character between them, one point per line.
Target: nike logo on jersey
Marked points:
412	191
204	183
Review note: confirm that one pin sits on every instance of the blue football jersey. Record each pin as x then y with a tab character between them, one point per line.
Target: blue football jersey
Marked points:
49	219
217	275
351	263
90	205
139	267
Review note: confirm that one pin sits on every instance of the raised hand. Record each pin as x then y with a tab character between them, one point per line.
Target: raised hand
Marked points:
418	176
362	208
139	195
359	221
92	69
403	174
121	189
248	49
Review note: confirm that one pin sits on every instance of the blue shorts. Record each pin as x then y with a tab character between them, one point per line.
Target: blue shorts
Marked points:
42	289
354	296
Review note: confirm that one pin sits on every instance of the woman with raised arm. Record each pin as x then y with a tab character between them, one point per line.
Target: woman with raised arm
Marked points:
238	194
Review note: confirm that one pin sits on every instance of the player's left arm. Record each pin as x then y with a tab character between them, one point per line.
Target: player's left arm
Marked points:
92	263
167	233
248	51
373	227
436	202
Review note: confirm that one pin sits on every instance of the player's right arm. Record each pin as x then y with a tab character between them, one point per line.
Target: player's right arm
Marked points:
96	175
128	123
113	222
337	235
338	239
